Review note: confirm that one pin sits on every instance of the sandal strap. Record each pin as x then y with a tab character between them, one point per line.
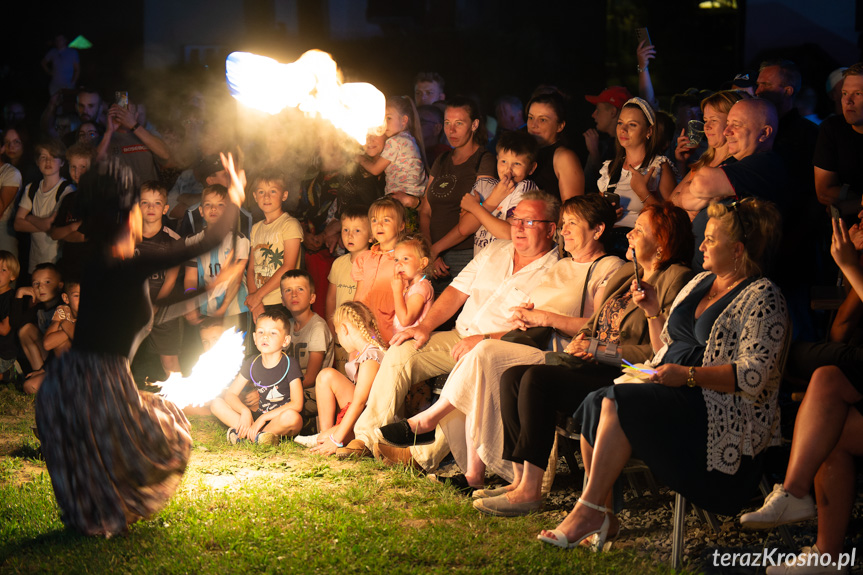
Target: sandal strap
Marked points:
593	506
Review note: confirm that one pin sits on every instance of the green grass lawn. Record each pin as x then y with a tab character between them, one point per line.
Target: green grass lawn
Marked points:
251	509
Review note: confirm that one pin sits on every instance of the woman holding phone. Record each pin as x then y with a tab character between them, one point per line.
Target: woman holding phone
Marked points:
705	414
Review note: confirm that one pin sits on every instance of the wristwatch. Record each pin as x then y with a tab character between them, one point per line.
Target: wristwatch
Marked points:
690	381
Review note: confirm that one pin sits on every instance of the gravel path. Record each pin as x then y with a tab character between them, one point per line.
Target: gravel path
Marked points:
646	526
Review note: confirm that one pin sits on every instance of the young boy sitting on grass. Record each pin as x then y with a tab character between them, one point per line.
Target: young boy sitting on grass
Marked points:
210	329
492	201
356	237
279	382
9	270
222	303
59	335
311	340
36	305
275	245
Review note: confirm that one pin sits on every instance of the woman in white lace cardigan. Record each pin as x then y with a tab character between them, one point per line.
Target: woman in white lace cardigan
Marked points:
705	415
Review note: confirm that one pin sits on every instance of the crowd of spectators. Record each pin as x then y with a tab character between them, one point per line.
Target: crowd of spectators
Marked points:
499	259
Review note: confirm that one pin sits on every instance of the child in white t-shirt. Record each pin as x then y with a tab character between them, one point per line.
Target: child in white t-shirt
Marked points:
492	201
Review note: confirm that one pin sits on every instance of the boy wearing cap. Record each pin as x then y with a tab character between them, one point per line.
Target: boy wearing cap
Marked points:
600	141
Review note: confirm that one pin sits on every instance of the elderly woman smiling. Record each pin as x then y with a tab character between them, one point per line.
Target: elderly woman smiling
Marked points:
705	416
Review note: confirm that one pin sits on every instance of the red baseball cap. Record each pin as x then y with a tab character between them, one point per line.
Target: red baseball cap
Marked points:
615	95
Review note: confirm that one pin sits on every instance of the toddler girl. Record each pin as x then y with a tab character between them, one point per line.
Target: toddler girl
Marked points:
373	269
403	157
358	334
412	292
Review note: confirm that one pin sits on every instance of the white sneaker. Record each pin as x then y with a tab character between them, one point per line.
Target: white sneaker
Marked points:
807	563
307	440
780	508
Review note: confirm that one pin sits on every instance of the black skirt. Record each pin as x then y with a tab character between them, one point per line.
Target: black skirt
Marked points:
114	454
667	428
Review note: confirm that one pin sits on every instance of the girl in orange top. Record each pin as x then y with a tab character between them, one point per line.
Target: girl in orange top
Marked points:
373	270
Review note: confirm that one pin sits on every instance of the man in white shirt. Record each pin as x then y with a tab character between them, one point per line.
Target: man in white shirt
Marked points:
497	279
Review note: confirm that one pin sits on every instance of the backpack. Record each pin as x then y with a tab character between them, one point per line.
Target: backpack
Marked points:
31	191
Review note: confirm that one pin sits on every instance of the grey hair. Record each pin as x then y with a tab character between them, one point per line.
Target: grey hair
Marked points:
552	204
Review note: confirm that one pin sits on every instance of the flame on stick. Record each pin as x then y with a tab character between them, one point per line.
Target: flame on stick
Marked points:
214	372
311	84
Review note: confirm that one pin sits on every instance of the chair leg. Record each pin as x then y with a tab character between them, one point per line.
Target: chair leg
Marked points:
633	484
677	537
708	518
567	447
651	482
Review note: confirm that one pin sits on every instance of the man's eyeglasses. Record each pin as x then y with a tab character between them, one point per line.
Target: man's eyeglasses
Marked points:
516	222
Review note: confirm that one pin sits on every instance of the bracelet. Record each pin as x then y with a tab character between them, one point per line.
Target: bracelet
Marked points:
690	381
648	317
336	443
136	126
190	289
640	69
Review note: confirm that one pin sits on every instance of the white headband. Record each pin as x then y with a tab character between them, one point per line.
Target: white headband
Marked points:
645	107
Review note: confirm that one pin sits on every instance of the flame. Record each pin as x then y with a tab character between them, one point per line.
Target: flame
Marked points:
312	84
214	372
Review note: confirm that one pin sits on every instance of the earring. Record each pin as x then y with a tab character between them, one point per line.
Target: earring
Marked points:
736	263
596	236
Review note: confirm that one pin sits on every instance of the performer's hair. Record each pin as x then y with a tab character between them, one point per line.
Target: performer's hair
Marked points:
106	195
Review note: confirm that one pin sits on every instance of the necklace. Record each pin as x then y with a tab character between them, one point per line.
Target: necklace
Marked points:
716	293
258	383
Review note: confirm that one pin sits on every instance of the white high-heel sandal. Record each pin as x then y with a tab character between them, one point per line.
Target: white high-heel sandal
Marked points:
601	534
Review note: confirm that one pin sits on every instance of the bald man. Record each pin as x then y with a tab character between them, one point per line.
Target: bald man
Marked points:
750	133
752	170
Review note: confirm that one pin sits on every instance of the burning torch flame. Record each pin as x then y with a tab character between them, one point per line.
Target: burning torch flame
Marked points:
214	372
312	84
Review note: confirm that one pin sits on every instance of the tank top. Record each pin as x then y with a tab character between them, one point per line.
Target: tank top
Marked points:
543	176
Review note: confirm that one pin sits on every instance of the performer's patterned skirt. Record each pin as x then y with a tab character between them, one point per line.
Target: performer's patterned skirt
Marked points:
114	454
